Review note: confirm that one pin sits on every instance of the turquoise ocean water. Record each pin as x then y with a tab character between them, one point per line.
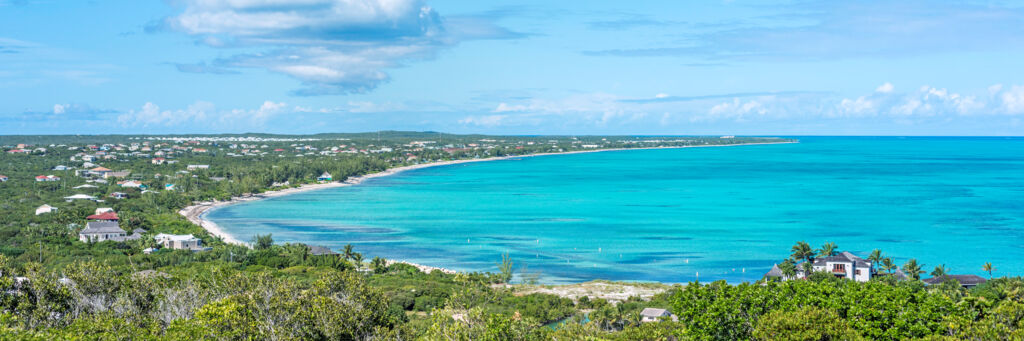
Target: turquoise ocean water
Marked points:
667	215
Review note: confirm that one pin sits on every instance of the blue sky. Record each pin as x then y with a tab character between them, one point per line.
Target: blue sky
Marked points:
512	67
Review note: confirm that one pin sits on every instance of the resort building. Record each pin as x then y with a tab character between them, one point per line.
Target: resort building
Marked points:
844	265
967	281
98	231
655	315
179	241
325	177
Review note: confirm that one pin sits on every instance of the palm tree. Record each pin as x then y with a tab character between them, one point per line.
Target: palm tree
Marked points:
358	258
913	269
348	251
802	251
808	269
940	271
888	264
875	257
788	268
988	268
827	250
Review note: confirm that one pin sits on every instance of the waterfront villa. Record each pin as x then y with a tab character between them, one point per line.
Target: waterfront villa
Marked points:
655	315
180	241
325	177
844	265
967	281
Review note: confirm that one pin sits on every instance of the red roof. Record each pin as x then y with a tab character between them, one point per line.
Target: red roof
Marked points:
41	177
100	169
103	216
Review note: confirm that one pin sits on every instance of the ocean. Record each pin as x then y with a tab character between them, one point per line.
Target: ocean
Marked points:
676	215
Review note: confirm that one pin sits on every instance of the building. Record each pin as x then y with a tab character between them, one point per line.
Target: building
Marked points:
317	250
102	210
119	195
180	241
194	167
130	183
967	281
98	231
118	174
325	177
655	315
3	178
99	171
42	178
776	273
79	197
159	161
103	216
45	209
844	265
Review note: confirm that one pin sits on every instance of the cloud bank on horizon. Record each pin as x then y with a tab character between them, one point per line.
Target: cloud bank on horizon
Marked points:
513	67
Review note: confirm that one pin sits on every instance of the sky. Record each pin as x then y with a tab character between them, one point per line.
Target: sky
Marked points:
512	67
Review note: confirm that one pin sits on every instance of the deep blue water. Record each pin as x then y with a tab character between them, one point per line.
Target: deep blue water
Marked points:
667	215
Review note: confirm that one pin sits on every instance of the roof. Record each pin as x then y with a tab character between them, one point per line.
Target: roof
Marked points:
100	169
80	196
963	279
175	237
846	257
774	272
98	227
654	312
103	216
320	250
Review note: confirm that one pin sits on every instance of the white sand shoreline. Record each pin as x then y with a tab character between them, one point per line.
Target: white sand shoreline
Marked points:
196	213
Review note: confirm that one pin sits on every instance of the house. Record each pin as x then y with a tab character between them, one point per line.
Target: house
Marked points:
844	265
61	168
325	177
179	241
43	178
159	161
79	197
776	273
119	195
3	178
45	209
320	250
130	184
100	171
655	315
119	174
102	210
168	187
967	281
104	216
85	186
194	167
98	231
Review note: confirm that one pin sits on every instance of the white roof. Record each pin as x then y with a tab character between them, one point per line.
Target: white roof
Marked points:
174	237
80	196
84	186
654	312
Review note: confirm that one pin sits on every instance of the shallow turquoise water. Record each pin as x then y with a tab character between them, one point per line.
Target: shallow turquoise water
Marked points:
667	215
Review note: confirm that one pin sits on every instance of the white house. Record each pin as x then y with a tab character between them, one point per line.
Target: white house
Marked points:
79	197
844	265
179	241
325	177
193	167
98	231
45	209
655	315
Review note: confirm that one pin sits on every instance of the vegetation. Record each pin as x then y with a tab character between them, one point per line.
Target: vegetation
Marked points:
53	286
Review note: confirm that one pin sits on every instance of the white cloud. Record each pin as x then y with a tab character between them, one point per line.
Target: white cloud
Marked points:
885	88
332	46
1013	100
59	108
201	112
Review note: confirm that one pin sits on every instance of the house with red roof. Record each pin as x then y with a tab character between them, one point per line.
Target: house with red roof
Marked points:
3	178
43	178
105	216
158	160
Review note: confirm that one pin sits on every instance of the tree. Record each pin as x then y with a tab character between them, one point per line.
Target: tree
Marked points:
888	264
875	257
505	268
807	323
940	271
827	249
379	265
988	268
262	242
802	251
348	251
913	269
358	259
788	268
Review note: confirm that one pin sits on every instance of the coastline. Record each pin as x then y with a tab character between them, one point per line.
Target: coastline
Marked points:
196	212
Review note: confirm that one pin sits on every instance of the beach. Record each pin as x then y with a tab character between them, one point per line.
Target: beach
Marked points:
195	213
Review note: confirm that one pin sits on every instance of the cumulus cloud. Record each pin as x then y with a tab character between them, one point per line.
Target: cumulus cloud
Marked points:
1013	100
201	112
331	46
69	111
885	88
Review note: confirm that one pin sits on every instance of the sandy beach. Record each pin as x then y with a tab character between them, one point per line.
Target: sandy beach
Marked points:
195	213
